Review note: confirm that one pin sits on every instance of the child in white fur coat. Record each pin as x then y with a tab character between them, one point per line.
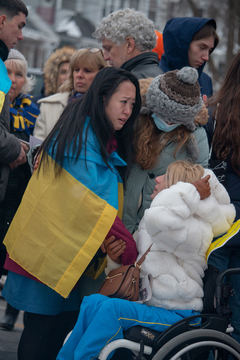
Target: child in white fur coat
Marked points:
181	228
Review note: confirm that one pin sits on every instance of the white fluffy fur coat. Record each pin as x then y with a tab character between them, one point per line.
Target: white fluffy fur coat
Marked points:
181	228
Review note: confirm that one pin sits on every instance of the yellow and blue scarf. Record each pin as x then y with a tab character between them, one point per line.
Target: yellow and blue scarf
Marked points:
62	221
23	114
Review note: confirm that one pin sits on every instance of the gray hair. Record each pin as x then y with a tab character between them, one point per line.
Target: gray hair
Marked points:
21	65
121	24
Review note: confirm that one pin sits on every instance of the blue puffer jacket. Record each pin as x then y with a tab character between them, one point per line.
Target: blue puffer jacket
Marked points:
177	35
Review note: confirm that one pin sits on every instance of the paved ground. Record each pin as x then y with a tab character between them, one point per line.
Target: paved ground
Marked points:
9	339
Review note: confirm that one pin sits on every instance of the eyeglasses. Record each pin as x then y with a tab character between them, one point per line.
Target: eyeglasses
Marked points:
95	50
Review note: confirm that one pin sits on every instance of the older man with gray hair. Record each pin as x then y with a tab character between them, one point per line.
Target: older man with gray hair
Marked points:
128	38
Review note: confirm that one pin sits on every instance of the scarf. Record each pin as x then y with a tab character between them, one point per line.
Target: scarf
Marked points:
75	95
23	114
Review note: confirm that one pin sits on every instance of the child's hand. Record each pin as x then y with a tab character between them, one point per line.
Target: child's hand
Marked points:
115	248
203	187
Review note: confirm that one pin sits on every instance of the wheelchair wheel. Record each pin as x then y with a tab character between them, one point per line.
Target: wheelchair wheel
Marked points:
196	344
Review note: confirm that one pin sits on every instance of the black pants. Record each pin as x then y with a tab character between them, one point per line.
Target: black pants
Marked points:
2	260
43	335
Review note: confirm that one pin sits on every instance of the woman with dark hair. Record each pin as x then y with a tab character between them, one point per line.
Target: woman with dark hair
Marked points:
225	158
69	206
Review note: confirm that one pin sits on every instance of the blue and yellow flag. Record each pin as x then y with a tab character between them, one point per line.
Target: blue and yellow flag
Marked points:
62	221
5	83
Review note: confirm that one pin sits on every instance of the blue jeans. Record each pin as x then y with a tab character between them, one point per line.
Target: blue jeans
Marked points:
226	258
104	319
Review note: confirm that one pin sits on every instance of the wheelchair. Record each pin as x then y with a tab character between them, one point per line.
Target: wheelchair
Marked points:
183	341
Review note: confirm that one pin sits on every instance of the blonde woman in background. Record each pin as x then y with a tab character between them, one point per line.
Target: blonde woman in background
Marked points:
84	65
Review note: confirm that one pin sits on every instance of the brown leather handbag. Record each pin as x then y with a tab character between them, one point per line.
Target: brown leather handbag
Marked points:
123	283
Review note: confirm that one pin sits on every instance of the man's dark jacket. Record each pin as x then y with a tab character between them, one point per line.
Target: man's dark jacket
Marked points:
10	146
143	66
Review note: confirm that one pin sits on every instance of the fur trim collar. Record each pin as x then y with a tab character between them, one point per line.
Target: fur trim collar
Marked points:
51	68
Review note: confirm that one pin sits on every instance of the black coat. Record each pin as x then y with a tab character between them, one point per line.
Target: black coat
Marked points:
10	146
144	65
16	185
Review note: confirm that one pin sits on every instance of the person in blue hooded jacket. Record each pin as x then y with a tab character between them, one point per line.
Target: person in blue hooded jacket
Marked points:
188	41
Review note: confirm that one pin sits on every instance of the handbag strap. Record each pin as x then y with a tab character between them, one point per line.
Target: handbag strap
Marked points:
141	260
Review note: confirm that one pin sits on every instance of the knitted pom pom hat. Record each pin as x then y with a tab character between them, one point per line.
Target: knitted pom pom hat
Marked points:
175	97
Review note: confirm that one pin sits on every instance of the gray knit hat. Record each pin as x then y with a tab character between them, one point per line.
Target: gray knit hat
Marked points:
175	97
15	54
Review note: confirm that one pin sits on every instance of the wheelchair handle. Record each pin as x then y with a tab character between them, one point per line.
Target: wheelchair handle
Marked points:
220	277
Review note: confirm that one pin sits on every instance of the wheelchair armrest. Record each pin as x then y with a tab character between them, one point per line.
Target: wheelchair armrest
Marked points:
157	339
201	321
138	332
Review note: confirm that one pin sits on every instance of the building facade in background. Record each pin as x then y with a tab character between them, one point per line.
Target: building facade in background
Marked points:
55	23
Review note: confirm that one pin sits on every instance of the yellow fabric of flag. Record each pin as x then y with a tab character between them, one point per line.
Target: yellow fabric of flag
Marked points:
58	228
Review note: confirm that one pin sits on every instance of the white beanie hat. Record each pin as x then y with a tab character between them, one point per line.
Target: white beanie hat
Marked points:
15	54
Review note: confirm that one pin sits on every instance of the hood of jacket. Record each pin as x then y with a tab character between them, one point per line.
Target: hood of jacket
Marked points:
51	68
177	35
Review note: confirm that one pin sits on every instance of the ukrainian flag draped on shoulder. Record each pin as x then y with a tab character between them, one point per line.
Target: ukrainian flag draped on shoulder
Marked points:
62	221
5	83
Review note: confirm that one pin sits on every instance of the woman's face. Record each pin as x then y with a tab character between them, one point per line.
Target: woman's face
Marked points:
18	80
83	77
62	73
160	185
120	106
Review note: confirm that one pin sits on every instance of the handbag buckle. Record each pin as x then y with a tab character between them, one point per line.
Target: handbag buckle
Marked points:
137	265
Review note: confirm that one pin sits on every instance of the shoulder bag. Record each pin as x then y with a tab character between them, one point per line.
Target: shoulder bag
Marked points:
123	283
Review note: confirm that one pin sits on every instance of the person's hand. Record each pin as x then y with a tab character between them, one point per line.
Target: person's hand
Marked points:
21	158
114	248
36	163
203	187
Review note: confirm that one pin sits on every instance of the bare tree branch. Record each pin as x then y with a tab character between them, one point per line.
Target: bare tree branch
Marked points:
196	11
230	22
